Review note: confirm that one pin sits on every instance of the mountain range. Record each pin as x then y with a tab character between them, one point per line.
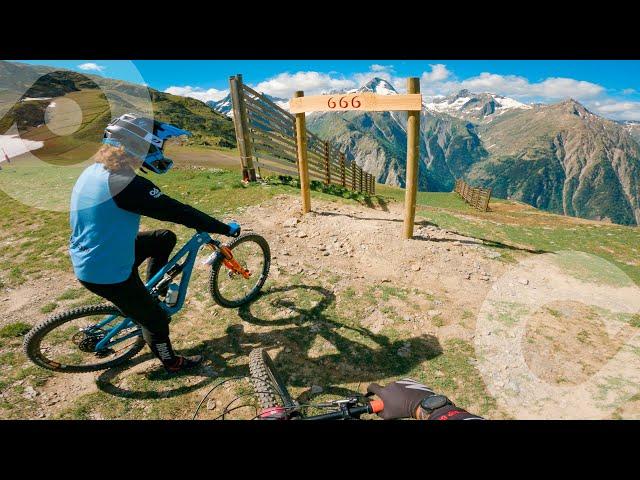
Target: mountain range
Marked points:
558	157
225	107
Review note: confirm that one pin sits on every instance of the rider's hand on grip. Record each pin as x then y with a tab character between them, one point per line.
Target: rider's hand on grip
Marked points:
234	229
401	398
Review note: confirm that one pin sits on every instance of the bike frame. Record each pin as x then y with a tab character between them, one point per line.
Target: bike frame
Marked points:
190	250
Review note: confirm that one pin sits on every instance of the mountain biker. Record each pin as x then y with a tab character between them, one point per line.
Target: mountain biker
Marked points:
105	246
407	398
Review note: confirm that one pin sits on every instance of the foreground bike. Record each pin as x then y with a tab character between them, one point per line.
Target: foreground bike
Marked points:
277	404
97	337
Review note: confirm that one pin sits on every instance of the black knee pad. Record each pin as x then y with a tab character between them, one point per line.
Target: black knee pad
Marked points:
169	238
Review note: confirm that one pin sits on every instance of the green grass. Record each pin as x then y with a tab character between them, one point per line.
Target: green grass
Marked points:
17	329
512	227
72	294
48	307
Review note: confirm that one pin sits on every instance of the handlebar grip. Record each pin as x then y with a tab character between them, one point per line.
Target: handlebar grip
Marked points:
376	406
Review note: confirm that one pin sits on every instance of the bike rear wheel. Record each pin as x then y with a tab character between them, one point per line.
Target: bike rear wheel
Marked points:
230	289
268	385
65	342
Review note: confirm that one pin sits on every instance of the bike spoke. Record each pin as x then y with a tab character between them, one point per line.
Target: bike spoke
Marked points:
73	343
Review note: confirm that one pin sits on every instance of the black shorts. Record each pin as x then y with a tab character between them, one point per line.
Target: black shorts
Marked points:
131	296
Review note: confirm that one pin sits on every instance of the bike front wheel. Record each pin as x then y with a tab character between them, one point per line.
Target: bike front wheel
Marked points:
231	289
66	342
267	384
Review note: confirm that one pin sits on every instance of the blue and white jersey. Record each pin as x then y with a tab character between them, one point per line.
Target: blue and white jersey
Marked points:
105	218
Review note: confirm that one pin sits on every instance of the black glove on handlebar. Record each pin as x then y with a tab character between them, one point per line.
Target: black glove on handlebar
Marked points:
401	398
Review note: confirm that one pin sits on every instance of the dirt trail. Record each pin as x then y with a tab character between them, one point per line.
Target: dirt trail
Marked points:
363	246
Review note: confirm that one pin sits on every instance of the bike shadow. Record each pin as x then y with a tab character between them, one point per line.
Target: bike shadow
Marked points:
355	355
348	354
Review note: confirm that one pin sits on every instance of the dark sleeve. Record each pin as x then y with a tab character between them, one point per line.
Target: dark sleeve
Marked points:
451	412
139	195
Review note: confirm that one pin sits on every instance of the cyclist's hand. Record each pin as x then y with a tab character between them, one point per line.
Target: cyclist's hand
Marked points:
234	229
401	398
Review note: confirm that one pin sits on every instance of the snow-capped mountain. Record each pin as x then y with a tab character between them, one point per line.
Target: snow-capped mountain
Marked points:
375	85
378	86
468	105
559	157
225	107
633	127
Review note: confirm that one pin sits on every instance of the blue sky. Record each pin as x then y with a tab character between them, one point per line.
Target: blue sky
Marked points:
610	88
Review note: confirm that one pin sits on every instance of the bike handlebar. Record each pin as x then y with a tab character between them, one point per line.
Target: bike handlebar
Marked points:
374	406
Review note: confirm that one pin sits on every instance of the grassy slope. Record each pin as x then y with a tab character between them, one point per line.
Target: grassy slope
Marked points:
519	226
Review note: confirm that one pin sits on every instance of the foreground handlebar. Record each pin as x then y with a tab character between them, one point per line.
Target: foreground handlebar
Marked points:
374	406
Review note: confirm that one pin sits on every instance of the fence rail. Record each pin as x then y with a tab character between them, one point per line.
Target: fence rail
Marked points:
266	133
477	197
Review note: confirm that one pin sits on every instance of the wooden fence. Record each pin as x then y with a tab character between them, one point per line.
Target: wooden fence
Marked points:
477	197
266	134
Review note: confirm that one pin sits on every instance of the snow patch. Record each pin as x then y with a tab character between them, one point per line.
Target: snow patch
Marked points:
13	146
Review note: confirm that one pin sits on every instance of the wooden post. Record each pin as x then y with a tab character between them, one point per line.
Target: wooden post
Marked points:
327	170
373	184
486	201
301	141
343	179
353	175
413	154
241	125
360	180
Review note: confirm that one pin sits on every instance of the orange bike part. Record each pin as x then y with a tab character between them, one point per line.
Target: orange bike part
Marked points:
232	264
377	406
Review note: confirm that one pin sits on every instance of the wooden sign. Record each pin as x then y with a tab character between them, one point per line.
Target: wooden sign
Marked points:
356	101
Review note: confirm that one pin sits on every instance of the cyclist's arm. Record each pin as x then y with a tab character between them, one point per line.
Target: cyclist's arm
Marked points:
141	196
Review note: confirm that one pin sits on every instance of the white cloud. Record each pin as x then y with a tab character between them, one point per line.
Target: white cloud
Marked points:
549	89
312	83
438	73
619	110
91	67
201	94
628	91
381	68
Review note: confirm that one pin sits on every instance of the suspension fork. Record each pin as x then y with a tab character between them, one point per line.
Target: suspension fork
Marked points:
227	258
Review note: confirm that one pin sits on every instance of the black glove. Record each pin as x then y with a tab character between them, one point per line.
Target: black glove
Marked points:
401	398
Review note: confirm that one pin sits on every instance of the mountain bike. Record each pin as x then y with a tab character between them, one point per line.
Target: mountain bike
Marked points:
277	404
98	337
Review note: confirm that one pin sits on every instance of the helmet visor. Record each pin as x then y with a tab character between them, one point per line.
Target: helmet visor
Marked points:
160	165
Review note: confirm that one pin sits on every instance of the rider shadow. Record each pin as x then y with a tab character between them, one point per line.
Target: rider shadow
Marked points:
354	353
107	381
365	357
